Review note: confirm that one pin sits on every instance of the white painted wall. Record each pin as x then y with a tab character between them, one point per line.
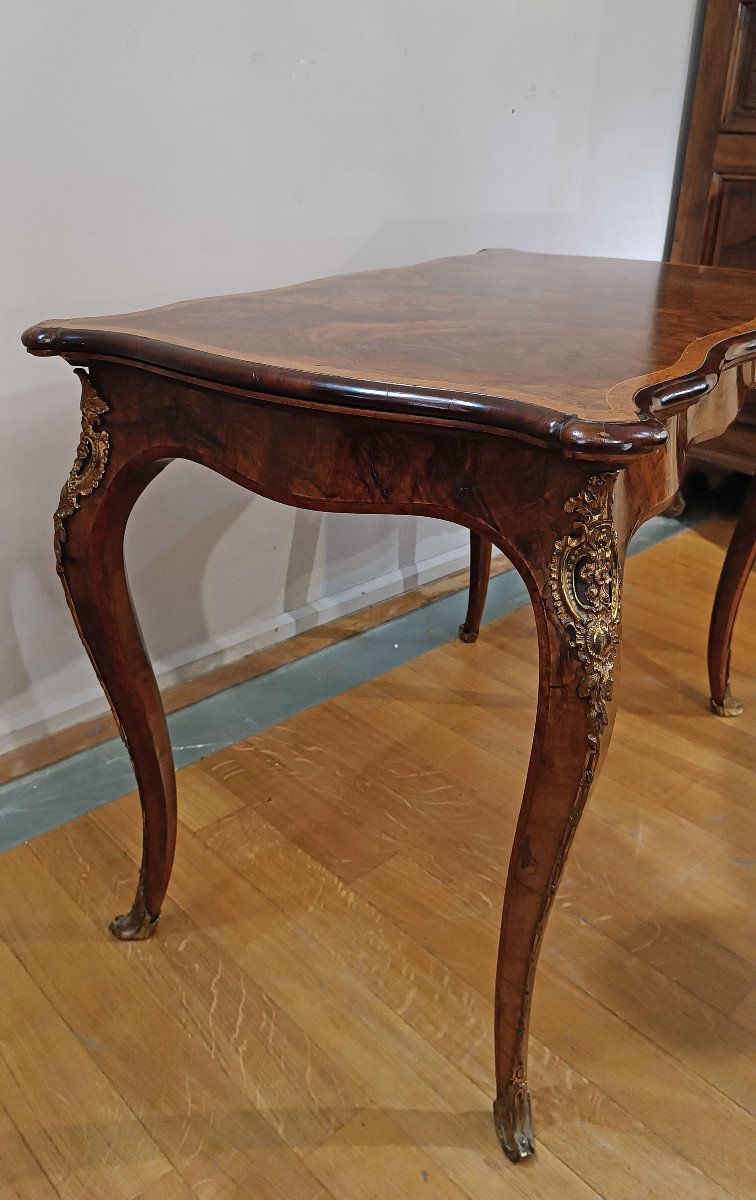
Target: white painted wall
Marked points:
163	149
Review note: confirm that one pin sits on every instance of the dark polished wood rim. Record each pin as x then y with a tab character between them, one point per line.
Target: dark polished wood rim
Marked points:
628	420
568	434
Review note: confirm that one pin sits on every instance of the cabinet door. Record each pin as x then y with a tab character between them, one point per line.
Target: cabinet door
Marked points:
716	213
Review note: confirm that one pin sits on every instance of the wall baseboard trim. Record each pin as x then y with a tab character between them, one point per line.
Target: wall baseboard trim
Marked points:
42	720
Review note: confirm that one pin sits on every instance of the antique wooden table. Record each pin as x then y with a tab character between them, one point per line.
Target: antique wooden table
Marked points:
543	402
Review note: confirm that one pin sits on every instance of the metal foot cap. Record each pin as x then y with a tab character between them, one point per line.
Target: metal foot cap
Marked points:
513	1123
730	706
468	635
134	926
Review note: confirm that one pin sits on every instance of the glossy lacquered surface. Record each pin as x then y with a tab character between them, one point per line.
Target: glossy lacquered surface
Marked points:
566	350
442	390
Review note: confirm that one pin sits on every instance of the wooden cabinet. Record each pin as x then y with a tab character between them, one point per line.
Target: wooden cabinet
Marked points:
716	212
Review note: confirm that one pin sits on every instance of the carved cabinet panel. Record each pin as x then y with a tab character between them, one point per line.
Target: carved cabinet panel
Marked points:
732	224
740	93
716	212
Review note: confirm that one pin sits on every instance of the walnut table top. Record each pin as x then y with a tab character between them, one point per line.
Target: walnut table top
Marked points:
543	402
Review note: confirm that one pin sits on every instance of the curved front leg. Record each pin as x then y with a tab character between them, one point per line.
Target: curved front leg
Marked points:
577	610
90	523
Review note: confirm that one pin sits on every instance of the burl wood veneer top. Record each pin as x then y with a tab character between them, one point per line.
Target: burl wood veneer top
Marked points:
575	350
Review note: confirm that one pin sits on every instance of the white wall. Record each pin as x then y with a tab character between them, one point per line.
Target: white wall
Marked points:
161	149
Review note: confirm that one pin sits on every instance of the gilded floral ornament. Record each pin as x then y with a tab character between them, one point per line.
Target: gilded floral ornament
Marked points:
585	588
89	464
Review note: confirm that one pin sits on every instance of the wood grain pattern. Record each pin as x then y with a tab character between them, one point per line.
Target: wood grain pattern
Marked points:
560	349
314	1022
486	462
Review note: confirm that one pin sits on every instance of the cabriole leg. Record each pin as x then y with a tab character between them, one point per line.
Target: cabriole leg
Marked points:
480	569
578	621
90	523
735	571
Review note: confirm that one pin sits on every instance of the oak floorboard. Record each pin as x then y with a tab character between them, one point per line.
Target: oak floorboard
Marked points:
229	1017
350	1023
156	1051
333	939
312	1020
21	1177
346	1164
84	1137
169	1187
680	1024
745	1012
470	851
426	992
688	951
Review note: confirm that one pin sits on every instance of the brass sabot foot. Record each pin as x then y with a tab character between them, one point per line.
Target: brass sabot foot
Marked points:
513	1124
730	706
134	926
467	635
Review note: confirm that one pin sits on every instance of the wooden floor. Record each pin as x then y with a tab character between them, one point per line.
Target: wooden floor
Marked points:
313	1017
